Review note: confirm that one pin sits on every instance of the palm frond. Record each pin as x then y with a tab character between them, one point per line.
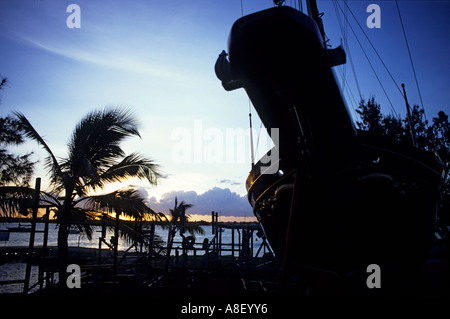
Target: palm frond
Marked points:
95	142
194	228
50	199
80	218
127	201
95	156
179	210
178	213
133	165
14	199
51	163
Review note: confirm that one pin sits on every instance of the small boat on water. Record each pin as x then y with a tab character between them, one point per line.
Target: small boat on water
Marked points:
334	199
74	231
19	229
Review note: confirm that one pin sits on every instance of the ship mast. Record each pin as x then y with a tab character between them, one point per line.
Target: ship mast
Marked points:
313	13
252	153
410	123
337	55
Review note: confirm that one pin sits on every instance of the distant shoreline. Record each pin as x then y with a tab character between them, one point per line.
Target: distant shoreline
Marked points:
111	223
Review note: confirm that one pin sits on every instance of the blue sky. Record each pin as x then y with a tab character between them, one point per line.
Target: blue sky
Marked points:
157	58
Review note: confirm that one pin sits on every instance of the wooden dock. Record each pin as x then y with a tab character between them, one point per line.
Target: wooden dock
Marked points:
148	266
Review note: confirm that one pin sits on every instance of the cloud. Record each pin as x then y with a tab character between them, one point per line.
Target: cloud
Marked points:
229	182
101	53
222	200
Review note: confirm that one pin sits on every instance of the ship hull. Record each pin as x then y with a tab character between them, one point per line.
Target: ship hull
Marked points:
380	209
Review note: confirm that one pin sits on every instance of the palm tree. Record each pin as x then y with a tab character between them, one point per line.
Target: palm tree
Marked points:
95	159
180	222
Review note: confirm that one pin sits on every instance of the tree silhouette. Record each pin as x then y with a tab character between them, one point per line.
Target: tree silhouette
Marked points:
440	133
14	169
430	138
95	160
179	221
371	117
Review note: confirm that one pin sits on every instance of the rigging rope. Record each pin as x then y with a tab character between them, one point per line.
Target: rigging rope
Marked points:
367	57
375	50
410	57
354	72
349	91
344	32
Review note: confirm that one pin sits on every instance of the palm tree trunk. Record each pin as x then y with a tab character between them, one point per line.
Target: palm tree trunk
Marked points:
63	252
116	245
63	236
170	237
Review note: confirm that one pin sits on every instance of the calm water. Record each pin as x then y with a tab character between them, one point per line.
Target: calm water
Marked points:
16	271
80	240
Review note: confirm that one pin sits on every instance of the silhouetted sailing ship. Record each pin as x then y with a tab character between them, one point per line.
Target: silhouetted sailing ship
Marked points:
338	199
